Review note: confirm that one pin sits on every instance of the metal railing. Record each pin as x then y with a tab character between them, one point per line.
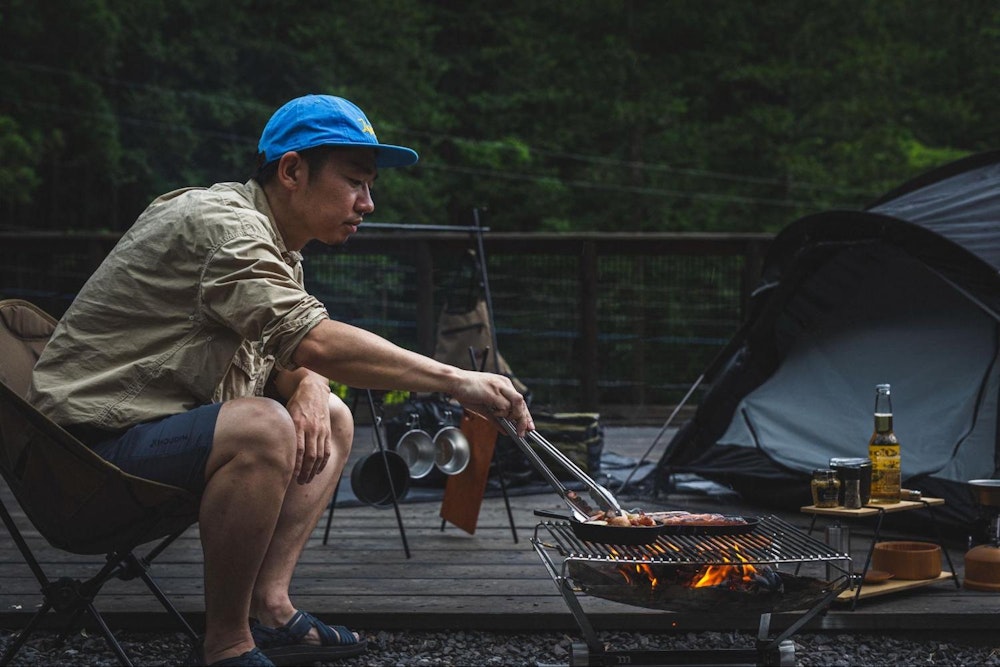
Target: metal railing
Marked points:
616	323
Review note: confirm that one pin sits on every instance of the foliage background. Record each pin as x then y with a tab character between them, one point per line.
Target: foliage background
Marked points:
625	115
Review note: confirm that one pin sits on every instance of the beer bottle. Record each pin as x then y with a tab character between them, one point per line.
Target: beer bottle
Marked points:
883	450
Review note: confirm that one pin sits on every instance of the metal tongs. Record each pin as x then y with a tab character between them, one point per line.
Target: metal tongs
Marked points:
582	510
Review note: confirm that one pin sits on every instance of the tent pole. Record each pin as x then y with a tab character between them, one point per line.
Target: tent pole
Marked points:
663	429
968	295
721	357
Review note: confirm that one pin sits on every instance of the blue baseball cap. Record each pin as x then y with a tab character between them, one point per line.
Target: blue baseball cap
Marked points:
325	120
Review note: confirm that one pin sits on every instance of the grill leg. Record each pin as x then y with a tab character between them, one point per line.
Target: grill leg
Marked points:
586	629
786	653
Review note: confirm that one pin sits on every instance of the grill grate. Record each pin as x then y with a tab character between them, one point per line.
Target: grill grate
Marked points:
772	541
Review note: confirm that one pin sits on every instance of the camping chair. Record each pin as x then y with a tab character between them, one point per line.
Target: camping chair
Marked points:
76	500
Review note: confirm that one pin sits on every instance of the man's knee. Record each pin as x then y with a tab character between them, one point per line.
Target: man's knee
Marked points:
257	426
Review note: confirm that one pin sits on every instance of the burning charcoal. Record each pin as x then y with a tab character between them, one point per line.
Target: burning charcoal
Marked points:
699	573
768	580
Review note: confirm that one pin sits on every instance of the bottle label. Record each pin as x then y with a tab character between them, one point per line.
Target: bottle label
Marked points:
886	478
884	457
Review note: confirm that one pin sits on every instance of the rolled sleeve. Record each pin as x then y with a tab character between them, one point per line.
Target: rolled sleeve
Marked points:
284	339
249	288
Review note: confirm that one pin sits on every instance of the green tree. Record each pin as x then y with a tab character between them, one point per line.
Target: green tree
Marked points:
52	58
633	115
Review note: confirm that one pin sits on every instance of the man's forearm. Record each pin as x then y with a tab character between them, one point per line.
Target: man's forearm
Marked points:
286	383
359	358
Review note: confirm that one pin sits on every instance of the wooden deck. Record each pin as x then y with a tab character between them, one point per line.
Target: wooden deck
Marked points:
485	581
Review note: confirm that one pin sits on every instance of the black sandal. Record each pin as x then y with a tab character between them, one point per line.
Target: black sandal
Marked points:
284	645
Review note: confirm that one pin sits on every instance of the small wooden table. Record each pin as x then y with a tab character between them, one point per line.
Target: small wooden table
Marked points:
879	511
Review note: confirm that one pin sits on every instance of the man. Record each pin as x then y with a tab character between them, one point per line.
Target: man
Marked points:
193	356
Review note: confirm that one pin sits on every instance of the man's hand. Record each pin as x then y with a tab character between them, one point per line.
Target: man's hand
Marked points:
492	395
359	358
309	406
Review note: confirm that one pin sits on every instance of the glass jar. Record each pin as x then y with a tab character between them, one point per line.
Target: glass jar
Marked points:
825	488
851	487
845	468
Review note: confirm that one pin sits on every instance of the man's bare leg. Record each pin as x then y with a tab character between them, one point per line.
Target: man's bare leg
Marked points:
248	473
302	508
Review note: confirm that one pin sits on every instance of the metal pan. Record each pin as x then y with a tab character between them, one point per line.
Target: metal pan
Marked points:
452	450
707	529
595	532
380	479
417	449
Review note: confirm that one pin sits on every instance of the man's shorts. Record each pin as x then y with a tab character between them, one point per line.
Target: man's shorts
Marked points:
173	450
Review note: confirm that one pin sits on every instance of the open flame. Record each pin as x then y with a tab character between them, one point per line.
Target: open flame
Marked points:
699	572
725	575
735	572
639	572
729	575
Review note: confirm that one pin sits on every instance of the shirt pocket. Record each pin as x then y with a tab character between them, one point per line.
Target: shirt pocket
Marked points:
247	375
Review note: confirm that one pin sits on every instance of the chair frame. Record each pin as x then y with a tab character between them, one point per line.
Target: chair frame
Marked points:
72	599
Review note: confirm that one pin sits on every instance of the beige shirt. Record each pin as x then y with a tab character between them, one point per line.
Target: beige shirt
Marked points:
196	304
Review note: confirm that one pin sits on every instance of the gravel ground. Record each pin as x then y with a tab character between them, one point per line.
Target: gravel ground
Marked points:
424	649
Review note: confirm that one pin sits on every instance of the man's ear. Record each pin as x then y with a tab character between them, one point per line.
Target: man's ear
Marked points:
293	171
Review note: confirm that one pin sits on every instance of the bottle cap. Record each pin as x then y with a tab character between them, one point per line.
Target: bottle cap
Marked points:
839	463
850	472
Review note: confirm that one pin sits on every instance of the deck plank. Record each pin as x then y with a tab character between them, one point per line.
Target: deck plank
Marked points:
453	580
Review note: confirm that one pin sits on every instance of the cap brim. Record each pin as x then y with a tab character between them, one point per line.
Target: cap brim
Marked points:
387	156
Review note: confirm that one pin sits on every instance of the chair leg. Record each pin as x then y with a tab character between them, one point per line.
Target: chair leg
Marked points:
131	566
43	581
25	633
22	546
71	599
155	589
109	636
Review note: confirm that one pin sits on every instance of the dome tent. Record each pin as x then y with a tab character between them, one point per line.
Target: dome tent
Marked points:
905	292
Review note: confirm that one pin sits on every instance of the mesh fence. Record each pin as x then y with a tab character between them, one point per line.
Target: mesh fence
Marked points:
658	317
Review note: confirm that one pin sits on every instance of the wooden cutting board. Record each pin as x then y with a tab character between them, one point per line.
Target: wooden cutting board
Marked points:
463	493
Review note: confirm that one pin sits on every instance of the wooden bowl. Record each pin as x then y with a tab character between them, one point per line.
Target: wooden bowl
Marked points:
982	568
874	577
908	560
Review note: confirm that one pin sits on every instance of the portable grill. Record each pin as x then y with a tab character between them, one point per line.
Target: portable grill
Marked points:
692	568
581	568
